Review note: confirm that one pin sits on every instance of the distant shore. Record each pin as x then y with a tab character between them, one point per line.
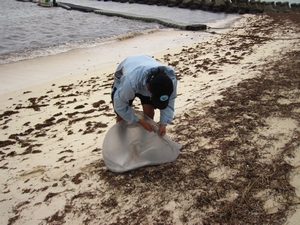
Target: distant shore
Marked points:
240	7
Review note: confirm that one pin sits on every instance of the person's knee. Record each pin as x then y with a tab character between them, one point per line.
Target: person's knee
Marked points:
150	114
148	111
118	118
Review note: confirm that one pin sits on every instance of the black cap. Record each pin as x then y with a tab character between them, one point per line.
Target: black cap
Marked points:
161	88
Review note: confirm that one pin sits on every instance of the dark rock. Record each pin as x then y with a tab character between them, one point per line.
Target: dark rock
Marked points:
219	6
185	4
196	4
196	27
270	8
254	7
207	5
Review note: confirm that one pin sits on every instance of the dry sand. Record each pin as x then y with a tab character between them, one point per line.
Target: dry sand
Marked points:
237	117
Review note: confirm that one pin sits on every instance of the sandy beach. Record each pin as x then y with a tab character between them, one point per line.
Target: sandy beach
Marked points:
237	117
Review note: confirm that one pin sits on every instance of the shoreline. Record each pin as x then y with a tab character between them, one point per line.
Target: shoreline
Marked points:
52	167
48	68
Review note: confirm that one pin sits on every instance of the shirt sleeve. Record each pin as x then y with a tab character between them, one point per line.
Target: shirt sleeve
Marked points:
167	114
123	95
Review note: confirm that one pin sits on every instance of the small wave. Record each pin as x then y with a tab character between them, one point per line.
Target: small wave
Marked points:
135	33
65	47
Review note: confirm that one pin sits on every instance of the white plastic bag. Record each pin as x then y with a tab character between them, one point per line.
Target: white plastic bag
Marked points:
128	146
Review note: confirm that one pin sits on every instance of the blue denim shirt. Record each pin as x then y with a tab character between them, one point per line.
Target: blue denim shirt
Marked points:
131	77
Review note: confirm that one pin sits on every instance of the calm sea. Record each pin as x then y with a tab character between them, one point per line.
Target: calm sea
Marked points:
28	30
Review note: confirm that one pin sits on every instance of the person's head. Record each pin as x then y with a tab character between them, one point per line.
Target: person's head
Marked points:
161	87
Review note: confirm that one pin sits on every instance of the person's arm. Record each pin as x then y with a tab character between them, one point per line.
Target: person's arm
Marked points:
162	130
123	95
166	115
144	123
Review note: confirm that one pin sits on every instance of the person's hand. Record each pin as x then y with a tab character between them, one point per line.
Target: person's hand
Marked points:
148	126
162	130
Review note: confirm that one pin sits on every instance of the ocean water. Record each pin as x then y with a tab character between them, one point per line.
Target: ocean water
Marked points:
28	30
